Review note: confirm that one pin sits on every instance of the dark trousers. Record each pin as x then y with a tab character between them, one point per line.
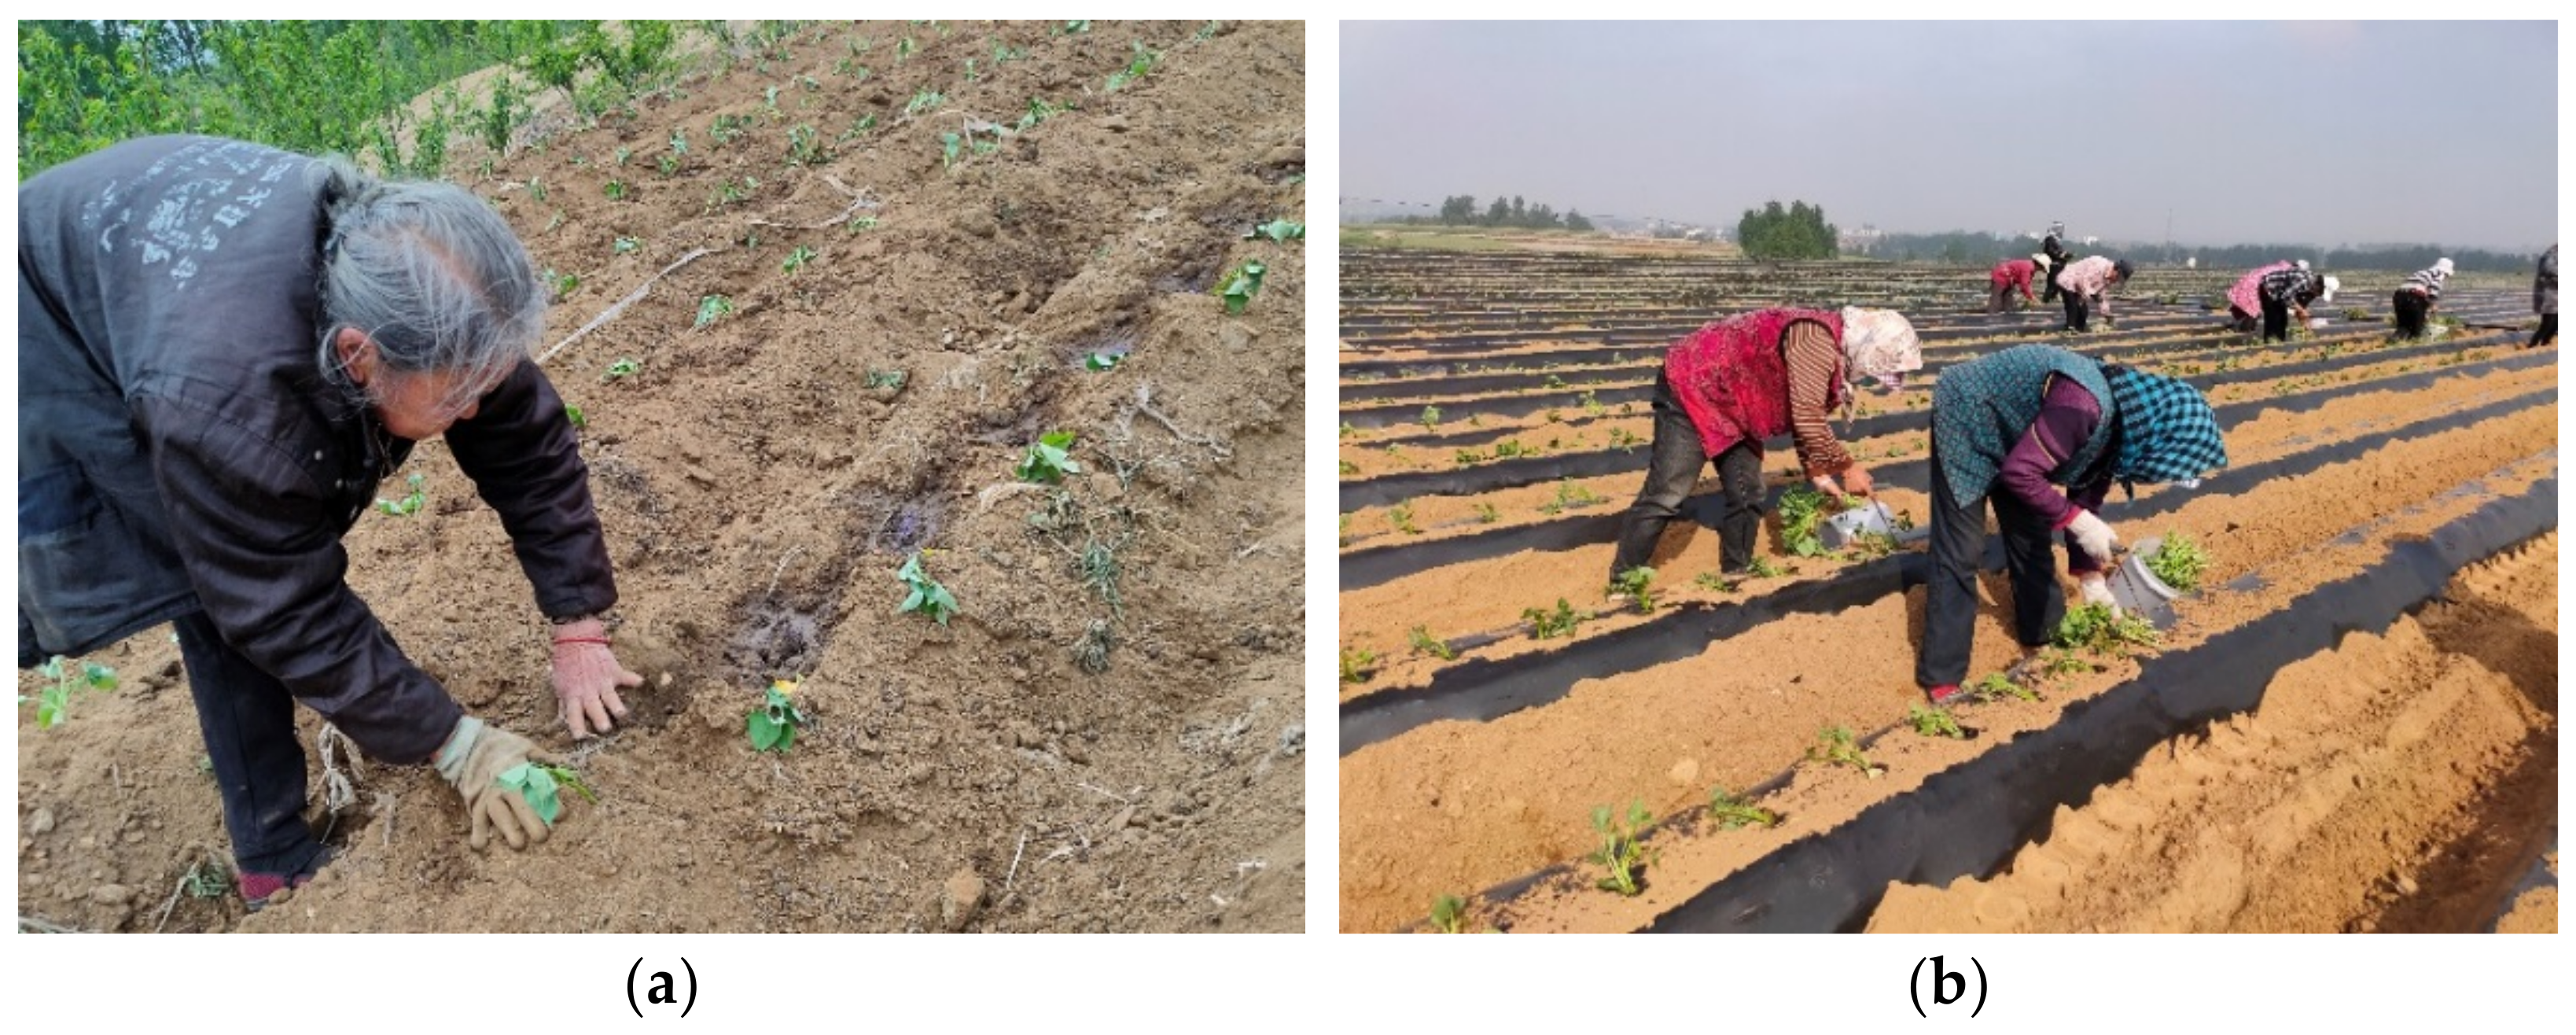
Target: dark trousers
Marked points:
1950	602
1672	470
2276	320
2078	314
248	719
2000	299
2548	330
2411	307
2049	289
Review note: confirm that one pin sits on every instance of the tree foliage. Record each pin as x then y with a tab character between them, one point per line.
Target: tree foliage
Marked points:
1513	211
1796	232
314	87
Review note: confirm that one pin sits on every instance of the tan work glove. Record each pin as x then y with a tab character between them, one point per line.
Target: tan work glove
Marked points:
472	762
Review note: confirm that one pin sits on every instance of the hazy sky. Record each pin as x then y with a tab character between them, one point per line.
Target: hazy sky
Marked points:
2402	132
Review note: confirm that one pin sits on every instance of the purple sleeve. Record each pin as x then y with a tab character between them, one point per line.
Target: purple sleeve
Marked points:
2067	417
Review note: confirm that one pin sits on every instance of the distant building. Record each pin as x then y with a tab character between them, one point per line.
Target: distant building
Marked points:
1860	242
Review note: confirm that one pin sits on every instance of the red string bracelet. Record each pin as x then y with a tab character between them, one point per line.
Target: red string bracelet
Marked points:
600	640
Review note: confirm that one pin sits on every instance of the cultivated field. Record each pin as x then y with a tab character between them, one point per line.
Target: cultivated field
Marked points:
2351	727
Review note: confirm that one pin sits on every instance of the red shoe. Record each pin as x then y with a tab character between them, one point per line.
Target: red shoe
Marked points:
257	888
1944	694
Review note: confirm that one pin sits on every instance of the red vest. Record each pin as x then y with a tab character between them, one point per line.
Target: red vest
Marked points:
1732	379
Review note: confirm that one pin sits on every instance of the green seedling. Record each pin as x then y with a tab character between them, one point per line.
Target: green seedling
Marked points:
2179	562
1071	28
206	879
1569	496
1762	568
409	504
1836	746
1511	447
1997	686
1239	285
1934	722
1487	513
569	778
625	245
1469	458
562	283
1714	583
1733	813
624	367
1591	402
1348	430
1350	468
1430	417
616	190
1049	460
1624	440
927	596
2093	628
1278	231
925	99
949	145
1801	508
1552	624
1638	585
573	413
2058	661
1449	915
62	678
796	260
885	379
1359	665
711	309
1619	852
536	784
1100	361
1425	643
1401	516
804	145
862	224
773	724
1869	545
1140	62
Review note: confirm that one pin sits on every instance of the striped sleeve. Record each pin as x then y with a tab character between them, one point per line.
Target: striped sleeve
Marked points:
1815	360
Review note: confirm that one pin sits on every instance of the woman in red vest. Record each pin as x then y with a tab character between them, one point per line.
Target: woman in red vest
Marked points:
1741	380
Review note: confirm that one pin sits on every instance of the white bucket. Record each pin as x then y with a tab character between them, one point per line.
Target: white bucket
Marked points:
2138	590
1842	529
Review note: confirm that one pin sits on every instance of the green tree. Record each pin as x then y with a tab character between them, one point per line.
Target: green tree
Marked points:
1796	232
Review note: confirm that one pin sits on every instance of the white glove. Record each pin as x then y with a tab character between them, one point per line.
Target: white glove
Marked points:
2093	536
2094	589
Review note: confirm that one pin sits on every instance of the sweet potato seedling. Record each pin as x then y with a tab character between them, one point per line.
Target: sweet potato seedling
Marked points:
1238	285
2179	562
1430	418
1734	813
796	260
573	413
1619	852
1449	915
2093	628
1713	582
54	701
1934	722
711	309
624	367
773	723
1278	231
409	504
1551	624
1997	686
926	595
1359	665
1425	643
1049	459
1487	513
1638	585
1836	746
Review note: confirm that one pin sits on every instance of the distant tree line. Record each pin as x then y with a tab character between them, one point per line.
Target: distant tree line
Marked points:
1512	212
1796	232
1967	247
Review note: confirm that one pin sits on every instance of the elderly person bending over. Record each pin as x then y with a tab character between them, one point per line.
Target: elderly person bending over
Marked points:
222	349
2007	428
1746	378
2086	284
2416	299
2286	290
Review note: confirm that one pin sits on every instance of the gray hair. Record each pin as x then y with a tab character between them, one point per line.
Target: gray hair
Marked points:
430	273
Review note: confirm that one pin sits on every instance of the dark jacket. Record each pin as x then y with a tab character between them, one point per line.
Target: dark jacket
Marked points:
180	450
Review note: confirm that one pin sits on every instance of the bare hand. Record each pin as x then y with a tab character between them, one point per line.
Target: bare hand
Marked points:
587	677
1856	481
